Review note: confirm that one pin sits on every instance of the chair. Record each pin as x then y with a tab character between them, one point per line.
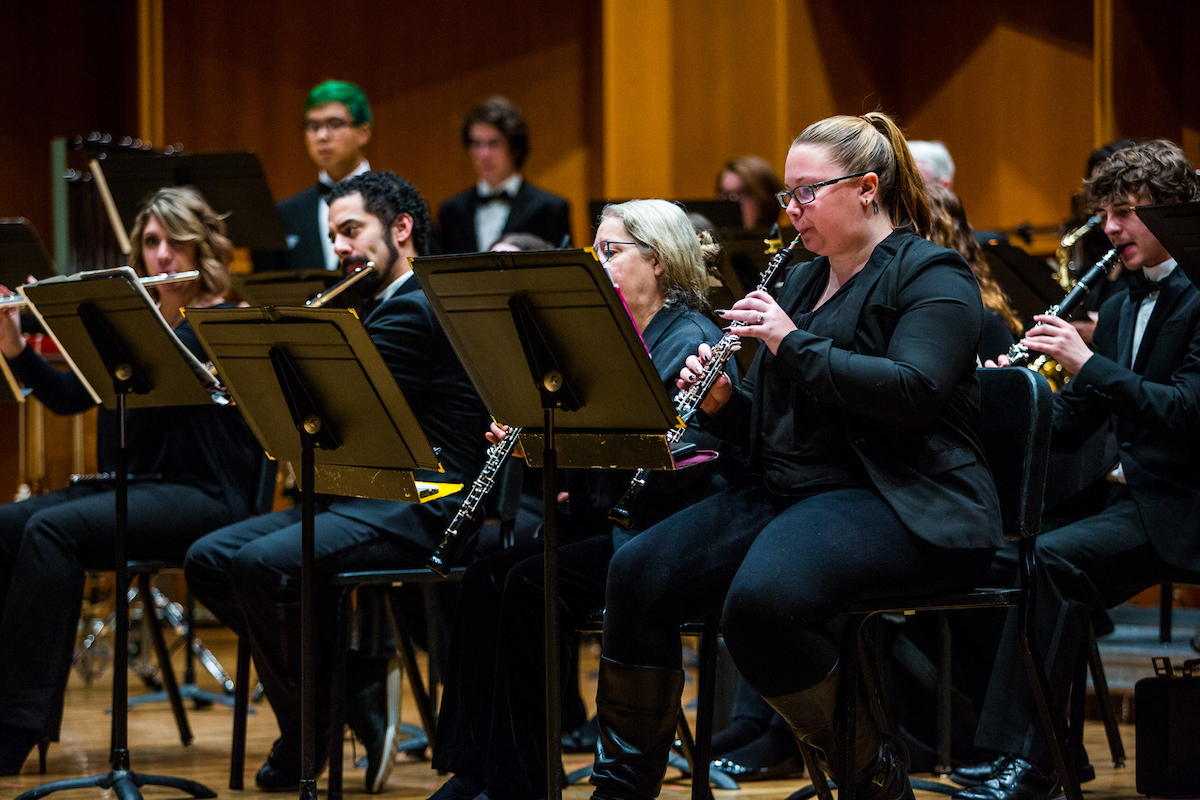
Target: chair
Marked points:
695	752
144	571
1015	421
351	583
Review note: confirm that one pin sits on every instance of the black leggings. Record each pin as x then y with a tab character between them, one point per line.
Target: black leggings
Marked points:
779	570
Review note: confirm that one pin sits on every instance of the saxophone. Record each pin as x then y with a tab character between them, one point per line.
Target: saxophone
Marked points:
1021	356
689	400
439	560
1063	253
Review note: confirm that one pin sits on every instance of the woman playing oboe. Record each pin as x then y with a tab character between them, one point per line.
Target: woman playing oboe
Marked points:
866	476
491	729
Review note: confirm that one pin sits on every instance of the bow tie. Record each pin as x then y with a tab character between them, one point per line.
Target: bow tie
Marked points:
1140	287
484	199
323	188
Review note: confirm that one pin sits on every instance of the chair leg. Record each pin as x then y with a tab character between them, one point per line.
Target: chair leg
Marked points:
1040	686
706	683
408	657
241	707
945	689
170	685
1116	747
337	695
1165	600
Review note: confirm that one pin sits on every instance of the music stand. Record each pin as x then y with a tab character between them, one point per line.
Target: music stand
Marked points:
313	387
1177	228
1029	282
112	335
232	183
551	348
285	287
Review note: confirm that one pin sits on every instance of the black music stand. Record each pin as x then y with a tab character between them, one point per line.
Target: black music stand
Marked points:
285	287
113	336
1177	228
232	183
314	388
551	348
1028	281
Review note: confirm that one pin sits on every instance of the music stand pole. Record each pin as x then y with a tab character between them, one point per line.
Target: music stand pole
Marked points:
121	779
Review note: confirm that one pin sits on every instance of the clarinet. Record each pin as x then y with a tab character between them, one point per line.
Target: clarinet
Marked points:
1021	356
687	401
439	560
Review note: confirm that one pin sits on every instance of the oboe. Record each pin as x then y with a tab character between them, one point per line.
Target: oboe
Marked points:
688	400
1019	355
439	560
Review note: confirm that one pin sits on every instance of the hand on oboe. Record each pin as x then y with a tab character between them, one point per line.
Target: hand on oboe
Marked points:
763	319
1058	338
719	395
499	432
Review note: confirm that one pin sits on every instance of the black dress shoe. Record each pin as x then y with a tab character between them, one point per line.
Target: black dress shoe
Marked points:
280	772
975	774
459	787
1016	779
15	745
788	768
582	739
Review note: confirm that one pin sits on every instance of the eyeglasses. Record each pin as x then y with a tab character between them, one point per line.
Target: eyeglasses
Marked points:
334	125
806	194
604	249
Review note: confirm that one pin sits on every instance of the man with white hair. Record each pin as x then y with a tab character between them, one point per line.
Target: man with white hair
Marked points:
933	162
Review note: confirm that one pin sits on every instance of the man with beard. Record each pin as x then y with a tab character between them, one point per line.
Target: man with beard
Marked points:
249	574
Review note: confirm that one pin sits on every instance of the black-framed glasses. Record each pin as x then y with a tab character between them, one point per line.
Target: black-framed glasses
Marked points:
334	125
1120	213
806	194
604	249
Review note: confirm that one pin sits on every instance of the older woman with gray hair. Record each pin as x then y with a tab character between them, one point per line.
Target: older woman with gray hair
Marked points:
491	732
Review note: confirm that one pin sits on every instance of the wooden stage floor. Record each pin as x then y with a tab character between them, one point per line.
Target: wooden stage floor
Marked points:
155	748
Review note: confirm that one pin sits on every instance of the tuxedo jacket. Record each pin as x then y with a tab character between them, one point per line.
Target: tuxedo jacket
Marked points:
533	210
442	399
1154	405
298	214
899	374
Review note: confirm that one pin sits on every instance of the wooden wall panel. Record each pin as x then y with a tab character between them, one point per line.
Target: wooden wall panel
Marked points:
237	75
69	68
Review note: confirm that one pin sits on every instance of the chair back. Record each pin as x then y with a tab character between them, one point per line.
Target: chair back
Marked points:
263	499
1014	425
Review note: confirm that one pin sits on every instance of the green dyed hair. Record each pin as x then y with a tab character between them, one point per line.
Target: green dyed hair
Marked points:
344	92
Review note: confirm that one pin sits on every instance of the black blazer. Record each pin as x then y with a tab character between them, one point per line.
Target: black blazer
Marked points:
901	374
533	211
1155	408
443	400
298	214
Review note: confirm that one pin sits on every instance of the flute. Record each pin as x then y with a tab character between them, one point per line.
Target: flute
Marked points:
149	282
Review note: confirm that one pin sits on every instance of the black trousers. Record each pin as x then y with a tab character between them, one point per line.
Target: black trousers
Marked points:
491	726
1090	565
46	545
248	575
779	569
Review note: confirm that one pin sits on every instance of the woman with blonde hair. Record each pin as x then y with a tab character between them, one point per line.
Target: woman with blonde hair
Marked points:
196	468
866	478
491	728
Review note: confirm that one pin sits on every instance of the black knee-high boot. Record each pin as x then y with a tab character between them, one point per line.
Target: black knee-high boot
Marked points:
813	715
636	708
